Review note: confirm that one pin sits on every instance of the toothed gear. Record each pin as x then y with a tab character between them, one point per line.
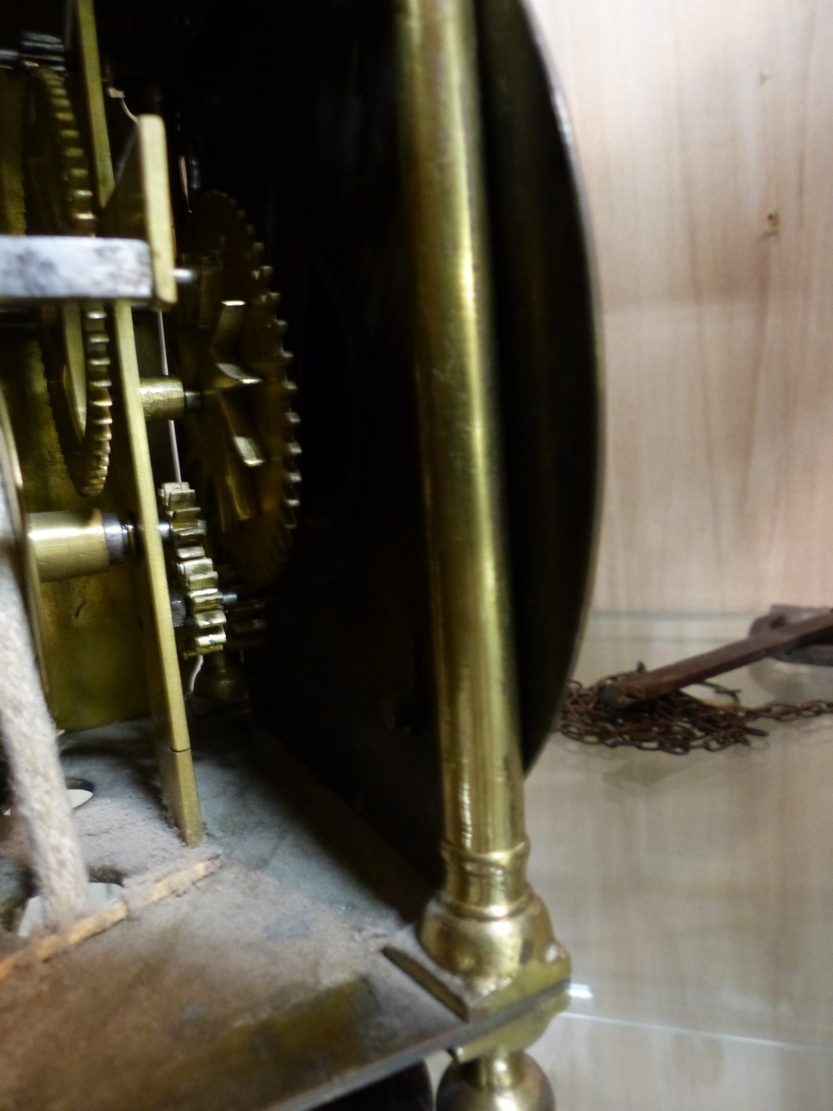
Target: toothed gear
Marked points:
191	573
76	347
241	446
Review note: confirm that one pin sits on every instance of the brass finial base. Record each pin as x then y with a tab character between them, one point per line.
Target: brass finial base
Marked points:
496	1082
494	946
540	977
485	941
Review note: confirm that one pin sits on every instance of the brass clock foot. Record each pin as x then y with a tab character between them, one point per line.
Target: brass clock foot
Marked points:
498	1081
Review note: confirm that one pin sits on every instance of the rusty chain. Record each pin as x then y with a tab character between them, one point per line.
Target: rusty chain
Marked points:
676	723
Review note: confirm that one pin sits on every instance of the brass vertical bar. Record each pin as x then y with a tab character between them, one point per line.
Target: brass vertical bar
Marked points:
94	97
173	741
482	767
164	682
486	914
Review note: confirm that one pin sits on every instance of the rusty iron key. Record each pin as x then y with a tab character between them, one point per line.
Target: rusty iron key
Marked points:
771	634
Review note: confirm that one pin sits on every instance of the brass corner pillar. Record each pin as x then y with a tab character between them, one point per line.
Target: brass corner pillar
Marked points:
486	927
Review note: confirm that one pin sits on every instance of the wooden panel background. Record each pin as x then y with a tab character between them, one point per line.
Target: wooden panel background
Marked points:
705	132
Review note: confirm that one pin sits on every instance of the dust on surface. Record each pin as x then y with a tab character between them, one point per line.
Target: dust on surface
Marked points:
261	983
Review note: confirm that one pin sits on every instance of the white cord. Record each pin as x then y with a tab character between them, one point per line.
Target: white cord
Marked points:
160	326
30	741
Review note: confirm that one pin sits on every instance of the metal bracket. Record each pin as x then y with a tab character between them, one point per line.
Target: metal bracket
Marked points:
73	268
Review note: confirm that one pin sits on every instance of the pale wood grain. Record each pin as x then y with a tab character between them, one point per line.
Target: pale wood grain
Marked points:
705	131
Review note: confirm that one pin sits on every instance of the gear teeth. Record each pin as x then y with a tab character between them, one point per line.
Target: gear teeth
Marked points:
74	170
195	577
89	469
256	545
87	456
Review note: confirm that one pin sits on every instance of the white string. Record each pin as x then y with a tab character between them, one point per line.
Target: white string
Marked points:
160	326
30	740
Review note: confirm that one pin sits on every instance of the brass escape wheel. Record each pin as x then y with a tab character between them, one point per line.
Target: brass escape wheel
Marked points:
241	450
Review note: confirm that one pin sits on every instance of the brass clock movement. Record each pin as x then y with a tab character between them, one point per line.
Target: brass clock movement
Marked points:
299	460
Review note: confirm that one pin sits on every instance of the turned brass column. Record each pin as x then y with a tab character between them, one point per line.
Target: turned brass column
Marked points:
486	924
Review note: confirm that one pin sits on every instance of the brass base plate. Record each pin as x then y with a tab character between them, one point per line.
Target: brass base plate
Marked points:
263	986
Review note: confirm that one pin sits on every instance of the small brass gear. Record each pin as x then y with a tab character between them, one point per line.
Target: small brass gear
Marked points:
191	573
75	338
241	445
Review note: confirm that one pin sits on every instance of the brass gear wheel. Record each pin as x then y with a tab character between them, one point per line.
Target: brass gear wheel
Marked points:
241	445
75	338
191	573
